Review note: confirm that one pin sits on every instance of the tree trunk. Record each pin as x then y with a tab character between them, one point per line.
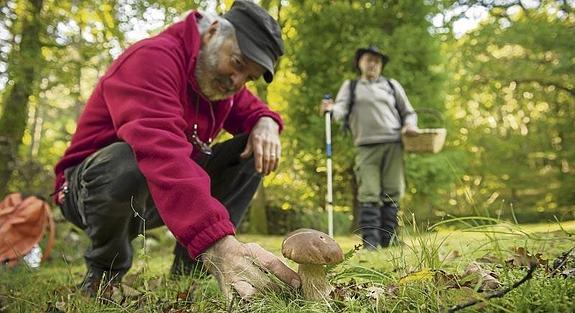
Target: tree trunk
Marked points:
23	68
258	214
37	128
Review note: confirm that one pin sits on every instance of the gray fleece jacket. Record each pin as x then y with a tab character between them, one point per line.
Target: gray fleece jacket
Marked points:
374	117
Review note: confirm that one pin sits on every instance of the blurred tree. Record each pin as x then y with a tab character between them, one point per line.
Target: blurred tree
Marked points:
512	97
23	61
77	40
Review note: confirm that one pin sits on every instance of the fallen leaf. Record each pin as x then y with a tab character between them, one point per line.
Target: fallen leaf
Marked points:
130	279
376	293
53	308
345	291
564	264
523	258
476	275
570	273
117	295
338	293
155	283
445	279
130	292
422	275
452	255
489	259
188	295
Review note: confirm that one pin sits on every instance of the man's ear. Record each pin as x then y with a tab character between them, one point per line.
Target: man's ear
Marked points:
210	32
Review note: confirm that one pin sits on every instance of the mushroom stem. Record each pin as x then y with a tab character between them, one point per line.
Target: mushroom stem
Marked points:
313	282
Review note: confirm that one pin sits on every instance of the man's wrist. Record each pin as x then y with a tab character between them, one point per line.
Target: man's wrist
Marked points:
267	121
217	246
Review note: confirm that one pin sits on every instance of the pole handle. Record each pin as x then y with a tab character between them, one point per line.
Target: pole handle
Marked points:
327	96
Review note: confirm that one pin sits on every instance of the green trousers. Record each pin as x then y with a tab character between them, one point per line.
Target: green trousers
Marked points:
379	173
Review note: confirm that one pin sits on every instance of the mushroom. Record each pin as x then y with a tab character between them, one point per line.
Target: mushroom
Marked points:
312	249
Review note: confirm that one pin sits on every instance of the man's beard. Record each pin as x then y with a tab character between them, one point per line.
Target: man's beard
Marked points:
206	71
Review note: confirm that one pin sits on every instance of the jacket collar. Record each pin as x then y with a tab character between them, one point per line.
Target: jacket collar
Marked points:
377	80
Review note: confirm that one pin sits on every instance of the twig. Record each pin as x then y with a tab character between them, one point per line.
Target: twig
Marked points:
564	258
496	294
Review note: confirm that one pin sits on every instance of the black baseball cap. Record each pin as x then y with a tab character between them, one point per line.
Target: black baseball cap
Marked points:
259	35
371	49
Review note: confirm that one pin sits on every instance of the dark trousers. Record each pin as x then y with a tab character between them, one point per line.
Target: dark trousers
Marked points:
378	224
107	189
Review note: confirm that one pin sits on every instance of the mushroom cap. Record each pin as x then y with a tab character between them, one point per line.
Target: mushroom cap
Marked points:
310	246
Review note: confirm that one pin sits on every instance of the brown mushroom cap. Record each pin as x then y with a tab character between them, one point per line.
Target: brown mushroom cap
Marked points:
309	246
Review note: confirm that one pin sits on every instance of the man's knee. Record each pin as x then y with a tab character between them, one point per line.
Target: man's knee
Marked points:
118	171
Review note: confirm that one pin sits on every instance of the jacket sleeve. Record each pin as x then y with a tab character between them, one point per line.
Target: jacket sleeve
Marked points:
341	104
404	107
246	110
142	96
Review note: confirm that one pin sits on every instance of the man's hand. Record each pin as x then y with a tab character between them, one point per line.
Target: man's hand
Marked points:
326	106
410	131
264	143
244	267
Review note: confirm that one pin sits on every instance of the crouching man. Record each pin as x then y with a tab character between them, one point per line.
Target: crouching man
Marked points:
142	145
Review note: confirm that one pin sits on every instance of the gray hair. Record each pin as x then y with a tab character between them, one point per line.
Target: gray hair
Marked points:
226	28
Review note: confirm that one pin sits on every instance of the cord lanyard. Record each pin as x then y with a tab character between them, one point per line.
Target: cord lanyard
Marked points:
195	138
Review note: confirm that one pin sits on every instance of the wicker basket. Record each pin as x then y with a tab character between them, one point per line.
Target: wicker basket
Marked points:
430	140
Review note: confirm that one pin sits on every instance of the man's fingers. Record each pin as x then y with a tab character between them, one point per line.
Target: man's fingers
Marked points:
272	155
278	149
244	289
247	151
270	262
258	154
258	278
268	157
226	290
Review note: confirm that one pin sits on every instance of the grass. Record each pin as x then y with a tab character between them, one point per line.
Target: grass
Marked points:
399	279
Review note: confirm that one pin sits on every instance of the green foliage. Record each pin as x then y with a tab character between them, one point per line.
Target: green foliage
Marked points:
395	279
512	103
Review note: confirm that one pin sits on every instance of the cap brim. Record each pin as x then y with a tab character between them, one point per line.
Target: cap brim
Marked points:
252	52
384	57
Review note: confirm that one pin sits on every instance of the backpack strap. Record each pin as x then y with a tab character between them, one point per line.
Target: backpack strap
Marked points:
393	91
391	86
351	102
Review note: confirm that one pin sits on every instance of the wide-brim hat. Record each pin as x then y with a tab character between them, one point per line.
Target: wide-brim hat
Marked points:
371	49
259	35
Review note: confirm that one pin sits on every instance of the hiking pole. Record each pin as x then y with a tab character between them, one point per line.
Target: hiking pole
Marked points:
329	196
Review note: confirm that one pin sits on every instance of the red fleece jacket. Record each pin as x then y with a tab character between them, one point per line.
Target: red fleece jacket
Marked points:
148	99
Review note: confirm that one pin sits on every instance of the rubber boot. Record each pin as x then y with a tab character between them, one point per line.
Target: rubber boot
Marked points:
388	230
370	224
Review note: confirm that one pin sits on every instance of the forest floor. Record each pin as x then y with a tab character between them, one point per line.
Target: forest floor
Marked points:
435	270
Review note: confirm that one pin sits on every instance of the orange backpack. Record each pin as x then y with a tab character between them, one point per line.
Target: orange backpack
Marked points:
23	223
